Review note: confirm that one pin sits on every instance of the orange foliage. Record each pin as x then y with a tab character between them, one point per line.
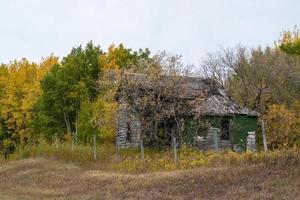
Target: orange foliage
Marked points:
282	126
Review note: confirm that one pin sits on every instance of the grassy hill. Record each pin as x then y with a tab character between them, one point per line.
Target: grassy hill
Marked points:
50	178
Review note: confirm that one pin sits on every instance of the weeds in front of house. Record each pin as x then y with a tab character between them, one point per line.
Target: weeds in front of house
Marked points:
129	160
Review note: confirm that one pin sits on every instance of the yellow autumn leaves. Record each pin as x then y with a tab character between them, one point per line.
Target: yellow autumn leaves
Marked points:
20	90
283	125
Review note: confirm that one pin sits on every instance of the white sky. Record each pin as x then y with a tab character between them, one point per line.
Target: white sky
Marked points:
37	28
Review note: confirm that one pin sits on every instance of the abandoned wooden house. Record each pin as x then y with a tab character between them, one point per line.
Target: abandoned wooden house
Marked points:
193	110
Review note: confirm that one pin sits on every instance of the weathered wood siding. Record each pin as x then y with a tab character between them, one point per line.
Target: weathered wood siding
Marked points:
213	141
251	141
128	127
241	125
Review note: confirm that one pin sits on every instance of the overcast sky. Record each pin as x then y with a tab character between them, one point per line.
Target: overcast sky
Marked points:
37	28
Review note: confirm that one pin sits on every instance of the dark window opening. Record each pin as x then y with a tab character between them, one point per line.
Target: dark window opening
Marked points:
225	129
128	135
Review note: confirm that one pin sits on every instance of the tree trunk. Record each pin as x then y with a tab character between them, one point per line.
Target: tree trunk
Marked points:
264	135
174	150
179	131
142	148
76	126
94	141
67	123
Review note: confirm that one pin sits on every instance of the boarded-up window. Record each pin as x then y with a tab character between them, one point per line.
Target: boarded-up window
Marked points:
225	123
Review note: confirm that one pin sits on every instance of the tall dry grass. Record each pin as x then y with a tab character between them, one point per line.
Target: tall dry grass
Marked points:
129	160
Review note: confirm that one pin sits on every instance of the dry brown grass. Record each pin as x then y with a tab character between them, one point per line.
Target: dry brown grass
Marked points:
42	178
129	160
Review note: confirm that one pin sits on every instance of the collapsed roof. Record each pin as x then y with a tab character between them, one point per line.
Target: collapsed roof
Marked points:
208	96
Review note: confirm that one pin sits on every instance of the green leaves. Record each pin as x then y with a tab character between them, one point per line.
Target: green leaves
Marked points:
81	65
122	58
66	86
86	126
290	42
57	98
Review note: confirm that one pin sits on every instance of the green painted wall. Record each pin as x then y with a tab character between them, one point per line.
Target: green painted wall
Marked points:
242	124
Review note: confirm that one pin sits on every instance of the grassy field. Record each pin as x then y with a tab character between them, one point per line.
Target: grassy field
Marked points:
245	176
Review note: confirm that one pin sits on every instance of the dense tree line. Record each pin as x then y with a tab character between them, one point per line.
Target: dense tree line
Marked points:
60	99
73	98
